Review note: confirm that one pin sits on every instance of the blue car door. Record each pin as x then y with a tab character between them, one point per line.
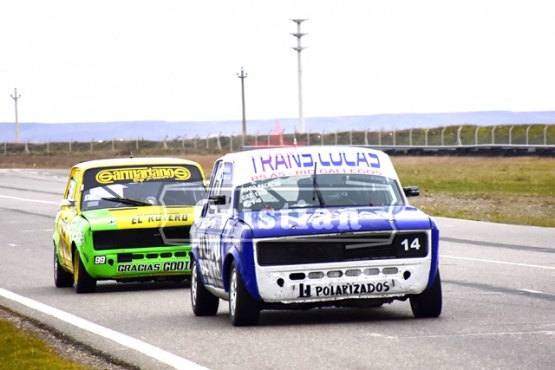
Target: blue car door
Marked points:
210	230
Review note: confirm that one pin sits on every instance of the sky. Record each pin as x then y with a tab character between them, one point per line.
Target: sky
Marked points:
179	60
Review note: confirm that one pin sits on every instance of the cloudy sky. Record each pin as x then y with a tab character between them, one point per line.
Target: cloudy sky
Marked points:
178	60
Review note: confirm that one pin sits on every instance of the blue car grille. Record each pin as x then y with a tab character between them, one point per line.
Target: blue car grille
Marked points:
342	248
141	238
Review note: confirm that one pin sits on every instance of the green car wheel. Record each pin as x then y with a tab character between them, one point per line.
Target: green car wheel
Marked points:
84	283
62	278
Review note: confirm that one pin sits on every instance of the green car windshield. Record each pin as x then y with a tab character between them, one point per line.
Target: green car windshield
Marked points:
172	186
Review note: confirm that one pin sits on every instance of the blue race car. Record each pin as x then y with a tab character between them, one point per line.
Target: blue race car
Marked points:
288	228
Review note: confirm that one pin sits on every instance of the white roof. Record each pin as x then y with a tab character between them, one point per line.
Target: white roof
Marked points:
269	163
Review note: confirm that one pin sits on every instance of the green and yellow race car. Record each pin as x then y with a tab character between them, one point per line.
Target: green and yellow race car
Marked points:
126	220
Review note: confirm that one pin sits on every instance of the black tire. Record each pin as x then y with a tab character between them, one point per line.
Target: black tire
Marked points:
429	302
62	278
84	283
243	309
203	302
178	279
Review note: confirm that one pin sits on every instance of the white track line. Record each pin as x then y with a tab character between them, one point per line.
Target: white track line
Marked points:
125	340
30	200
499	262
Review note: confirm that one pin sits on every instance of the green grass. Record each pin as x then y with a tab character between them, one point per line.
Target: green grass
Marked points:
21	350
515	190
463	175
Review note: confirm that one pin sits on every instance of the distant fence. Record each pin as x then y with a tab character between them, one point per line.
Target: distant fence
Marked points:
465	139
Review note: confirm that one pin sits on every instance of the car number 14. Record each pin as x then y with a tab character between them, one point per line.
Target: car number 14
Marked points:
415	244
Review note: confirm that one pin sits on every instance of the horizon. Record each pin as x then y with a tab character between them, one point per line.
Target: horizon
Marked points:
159	130
287	118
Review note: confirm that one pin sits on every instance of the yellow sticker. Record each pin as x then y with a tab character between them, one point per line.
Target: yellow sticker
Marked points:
148	217
140	174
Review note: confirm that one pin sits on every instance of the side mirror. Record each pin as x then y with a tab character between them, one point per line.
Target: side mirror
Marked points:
411	191
217	200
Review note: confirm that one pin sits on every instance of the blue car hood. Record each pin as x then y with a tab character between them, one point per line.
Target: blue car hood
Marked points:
312	221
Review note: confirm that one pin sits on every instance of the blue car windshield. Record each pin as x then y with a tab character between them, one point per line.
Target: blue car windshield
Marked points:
326	190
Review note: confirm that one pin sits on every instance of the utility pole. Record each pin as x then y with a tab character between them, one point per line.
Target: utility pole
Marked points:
299	48
15	97
242	76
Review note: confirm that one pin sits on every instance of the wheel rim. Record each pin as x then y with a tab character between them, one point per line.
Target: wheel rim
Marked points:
194	284
76	268
55	264
233	292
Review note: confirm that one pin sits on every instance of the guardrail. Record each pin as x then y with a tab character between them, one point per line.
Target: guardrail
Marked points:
536	139
468	150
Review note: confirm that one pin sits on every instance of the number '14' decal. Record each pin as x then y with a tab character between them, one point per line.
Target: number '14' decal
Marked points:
415	244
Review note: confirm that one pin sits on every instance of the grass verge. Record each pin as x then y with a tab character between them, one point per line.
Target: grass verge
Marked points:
23	350
29	344
514	190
